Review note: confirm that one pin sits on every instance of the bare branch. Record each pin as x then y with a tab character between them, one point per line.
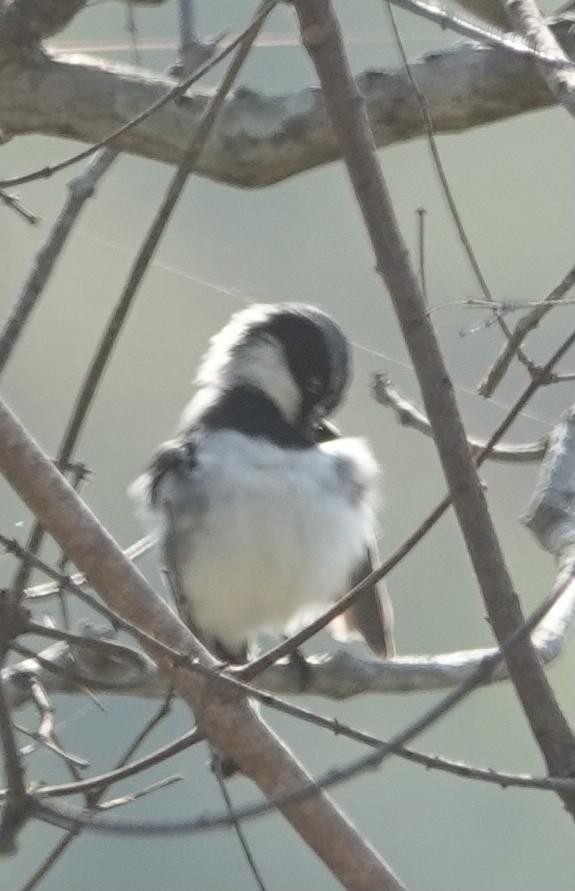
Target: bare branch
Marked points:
14	202
80	189
228	722
138	793
527	19
238	829
48	589
193	52
25	22
522	329
261	140
322	38
549	513
46	732
66	816
339	675
407	415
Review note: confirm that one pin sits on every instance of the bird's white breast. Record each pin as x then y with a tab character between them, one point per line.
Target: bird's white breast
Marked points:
266	534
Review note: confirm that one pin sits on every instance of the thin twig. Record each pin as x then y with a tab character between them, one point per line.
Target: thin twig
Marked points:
139	268
130	797
192	51
79	190
61	581
409	416
522	329
14	202
132	29
172	94
442	176
66	816
495	37
421	211
46	732
125	770
94	795
322	38
48	589
108	648
244	844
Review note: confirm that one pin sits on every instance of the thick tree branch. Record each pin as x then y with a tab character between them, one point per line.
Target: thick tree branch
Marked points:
526	17
24	22
66	668
260	140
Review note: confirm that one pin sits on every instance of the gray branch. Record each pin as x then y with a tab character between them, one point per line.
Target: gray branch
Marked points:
261	140
24	22
409	416
62	668
550	513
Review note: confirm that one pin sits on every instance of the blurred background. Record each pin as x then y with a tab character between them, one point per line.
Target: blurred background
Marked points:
304	240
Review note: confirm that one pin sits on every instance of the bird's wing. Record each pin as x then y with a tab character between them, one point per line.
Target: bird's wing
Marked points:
180	501
170	471
371	615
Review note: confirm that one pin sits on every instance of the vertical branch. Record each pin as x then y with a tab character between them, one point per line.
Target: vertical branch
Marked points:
14	812
421	211
443	181
322	37
193	52
188	33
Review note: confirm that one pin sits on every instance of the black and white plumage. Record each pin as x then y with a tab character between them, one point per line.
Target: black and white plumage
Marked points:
261	513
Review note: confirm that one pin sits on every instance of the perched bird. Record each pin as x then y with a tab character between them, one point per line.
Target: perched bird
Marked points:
263	516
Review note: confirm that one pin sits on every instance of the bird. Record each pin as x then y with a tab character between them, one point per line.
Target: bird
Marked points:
264	515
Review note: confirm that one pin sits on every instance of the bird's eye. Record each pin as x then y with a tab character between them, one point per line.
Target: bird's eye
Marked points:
313	386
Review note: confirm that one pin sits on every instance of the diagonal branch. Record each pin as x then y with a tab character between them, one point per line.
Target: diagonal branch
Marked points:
524	326
226	720
526	17
322	38
142	262
80	189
